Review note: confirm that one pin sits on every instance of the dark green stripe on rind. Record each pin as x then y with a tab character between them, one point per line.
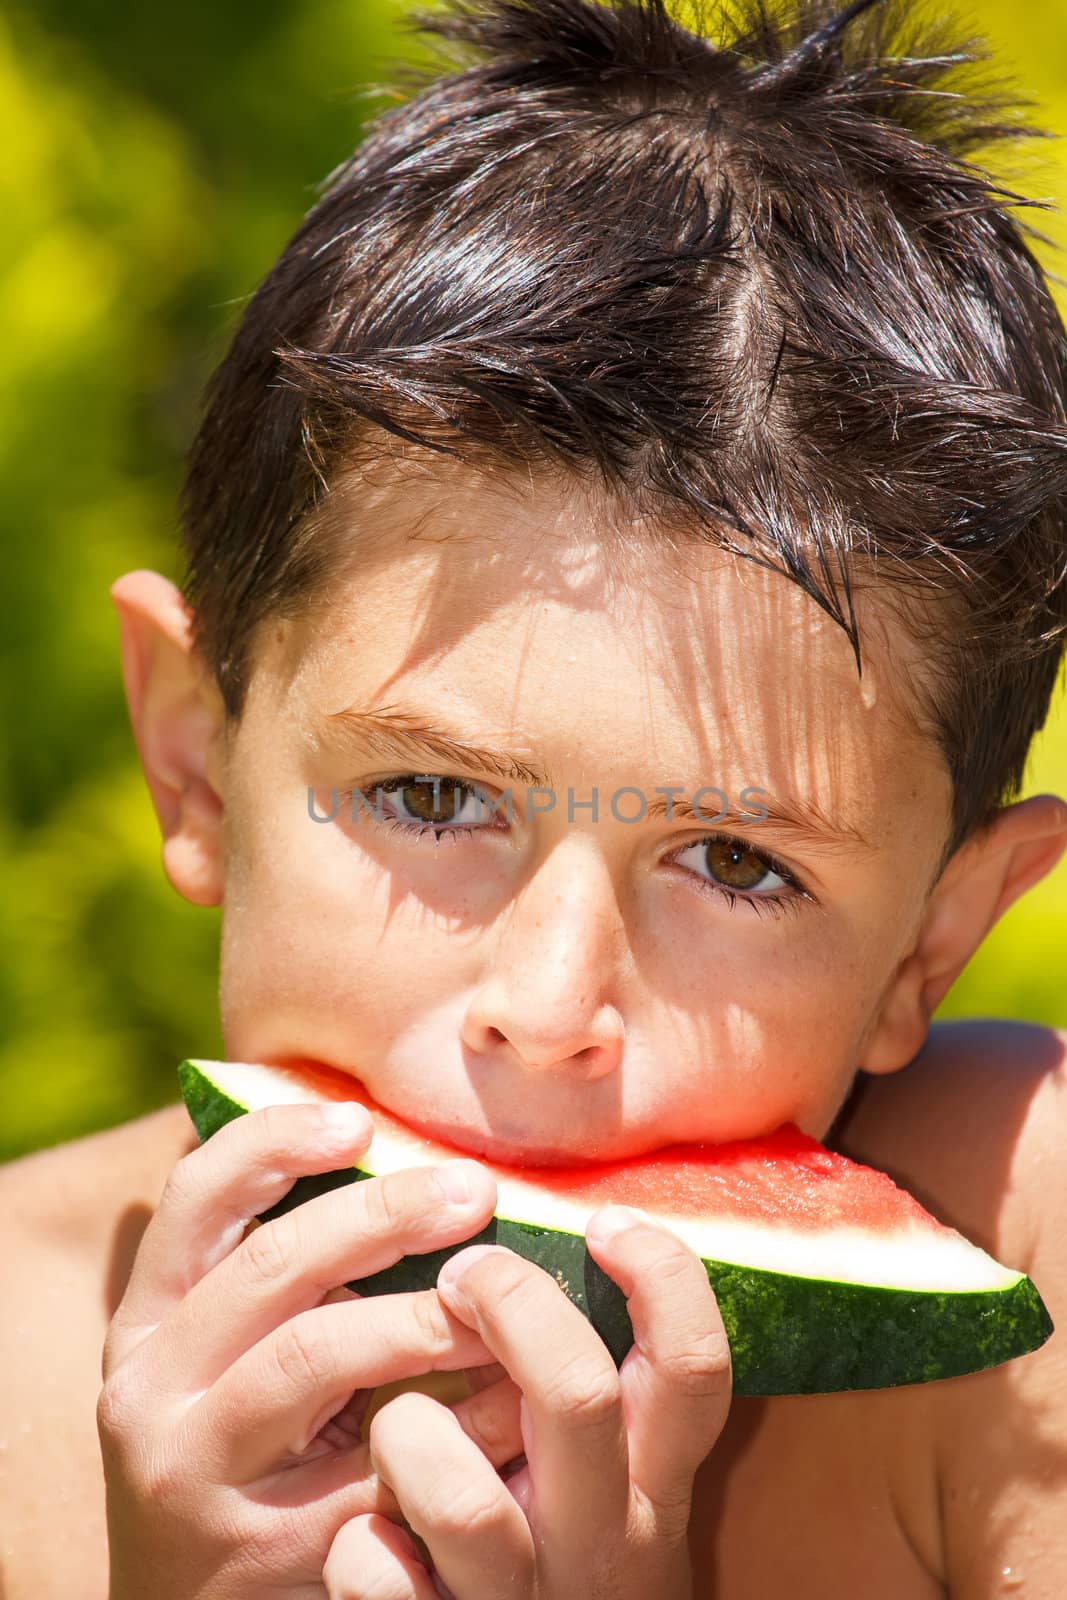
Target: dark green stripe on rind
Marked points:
788	1334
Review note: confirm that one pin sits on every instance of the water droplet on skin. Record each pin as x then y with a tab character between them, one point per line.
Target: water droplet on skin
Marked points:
1012	1578
868	688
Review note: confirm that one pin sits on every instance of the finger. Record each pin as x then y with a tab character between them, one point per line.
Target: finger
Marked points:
211	1196
571	1408
337	1487
491	1419
285	1266
677	1378
345	1427
374	1559
477	1536
482	1377
265	1409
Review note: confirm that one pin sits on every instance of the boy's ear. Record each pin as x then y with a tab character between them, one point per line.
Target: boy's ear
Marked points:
178	721
986	875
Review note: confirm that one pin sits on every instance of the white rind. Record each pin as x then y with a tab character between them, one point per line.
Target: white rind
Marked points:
909	1258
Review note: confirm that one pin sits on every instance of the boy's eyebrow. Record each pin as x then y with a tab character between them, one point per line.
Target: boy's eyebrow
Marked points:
392	728
396	728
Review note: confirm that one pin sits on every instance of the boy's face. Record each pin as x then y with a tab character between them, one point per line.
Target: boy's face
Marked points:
574	989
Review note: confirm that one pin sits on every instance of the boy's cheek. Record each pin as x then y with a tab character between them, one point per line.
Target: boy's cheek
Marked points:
775	1022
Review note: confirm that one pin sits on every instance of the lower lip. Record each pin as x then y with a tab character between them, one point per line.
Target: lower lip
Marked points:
486	1148
481	1146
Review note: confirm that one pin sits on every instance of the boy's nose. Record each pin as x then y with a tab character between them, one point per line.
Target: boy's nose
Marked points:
583	1041
559	952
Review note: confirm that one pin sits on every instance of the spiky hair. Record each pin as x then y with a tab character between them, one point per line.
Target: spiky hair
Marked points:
753	284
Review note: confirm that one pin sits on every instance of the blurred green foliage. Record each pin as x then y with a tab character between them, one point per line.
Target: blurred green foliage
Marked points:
157	163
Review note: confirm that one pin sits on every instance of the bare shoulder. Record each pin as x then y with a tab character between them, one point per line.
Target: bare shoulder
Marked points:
975	1127
71	1219
969	1126
63	1193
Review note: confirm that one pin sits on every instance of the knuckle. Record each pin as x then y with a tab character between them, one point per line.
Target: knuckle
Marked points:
265	1258
270	1128
463	1510
132	1442
702	1367
584	1390
384	1200
184	1183
518	1285
492	1417
410	1196
160	1477
673	1269
114	1406
300	1358
668	1513
431	1324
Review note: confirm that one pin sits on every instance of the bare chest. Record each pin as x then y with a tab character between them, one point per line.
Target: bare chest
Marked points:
813	1495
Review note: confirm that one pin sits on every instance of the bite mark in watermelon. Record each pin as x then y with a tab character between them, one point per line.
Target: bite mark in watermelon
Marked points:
828	1275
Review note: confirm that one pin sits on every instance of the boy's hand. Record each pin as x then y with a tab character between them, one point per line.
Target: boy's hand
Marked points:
602	1506
228	1355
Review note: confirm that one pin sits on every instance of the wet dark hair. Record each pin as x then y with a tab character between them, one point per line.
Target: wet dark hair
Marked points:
751	285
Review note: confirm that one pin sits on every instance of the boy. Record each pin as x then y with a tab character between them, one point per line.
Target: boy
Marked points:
630	415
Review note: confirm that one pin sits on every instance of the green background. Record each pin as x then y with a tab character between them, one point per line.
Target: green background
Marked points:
157	161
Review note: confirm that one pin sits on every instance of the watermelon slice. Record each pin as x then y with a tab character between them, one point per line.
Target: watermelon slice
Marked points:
828	1276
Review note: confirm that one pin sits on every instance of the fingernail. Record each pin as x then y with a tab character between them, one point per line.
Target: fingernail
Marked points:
456	1180
457	1265
614	1219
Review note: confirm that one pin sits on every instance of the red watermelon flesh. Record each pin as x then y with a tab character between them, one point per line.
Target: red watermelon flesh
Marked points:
828	1275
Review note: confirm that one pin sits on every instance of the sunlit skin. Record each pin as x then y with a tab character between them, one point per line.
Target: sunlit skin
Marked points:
556	986
560	989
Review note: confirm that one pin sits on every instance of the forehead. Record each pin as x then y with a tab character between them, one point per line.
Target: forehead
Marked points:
525	607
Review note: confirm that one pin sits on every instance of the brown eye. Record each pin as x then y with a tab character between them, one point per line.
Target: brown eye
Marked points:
418	800
733	865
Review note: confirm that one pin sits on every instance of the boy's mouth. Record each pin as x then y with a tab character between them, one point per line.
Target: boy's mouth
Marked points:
500	1152
473	1142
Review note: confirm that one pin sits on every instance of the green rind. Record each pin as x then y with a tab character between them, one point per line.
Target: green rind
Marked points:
788	1334
206	1104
